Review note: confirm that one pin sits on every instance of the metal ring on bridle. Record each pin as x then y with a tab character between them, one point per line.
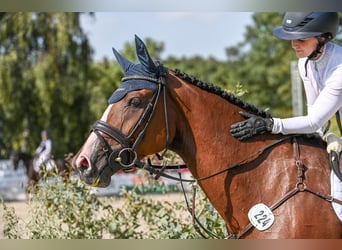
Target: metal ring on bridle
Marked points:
301	186
130	152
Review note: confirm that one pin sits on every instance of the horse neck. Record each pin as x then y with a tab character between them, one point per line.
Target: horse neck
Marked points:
203	123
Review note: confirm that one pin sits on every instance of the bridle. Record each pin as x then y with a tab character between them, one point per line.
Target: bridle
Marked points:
126	158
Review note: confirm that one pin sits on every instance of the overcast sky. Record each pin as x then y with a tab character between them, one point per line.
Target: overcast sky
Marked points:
183	33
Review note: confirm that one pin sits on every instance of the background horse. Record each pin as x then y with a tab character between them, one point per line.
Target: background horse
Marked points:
63	168
157	108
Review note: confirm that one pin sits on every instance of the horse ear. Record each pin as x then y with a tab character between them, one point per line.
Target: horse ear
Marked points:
144	56
124	63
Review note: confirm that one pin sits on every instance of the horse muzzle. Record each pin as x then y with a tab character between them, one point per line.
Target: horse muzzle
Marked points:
98	172
90	174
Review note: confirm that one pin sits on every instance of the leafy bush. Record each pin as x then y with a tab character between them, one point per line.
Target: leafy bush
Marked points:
70	210
11	228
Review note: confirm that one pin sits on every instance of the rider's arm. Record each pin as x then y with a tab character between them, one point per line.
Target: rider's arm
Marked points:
328	102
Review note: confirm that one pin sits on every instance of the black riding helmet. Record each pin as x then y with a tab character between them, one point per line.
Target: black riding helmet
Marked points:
299	25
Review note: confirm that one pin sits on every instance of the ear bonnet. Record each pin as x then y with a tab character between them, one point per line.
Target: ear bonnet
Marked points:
146	68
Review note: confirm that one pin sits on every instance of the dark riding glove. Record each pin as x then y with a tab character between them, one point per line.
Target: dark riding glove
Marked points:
254	125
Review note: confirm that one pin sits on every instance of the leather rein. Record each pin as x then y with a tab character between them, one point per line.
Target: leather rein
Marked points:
126	158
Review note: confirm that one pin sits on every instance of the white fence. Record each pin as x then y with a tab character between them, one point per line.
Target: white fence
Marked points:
12	183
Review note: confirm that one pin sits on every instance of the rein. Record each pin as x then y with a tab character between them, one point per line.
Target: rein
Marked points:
157	170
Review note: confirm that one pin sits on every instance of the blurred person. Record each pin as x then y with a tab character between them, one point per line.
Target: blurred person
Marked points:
42	155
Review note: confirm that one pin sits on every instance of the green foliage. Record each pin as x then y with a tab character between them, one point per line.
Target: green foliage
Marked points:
208	70
70	210
44	60
265	65
11	227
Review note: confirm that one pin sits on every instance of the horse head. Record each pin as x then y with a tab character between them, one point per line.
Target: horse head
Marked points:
115	140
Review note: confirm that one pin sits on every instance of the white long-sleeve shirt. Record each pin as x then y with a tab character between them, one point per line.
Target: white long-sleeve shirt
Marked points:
323	89
44	149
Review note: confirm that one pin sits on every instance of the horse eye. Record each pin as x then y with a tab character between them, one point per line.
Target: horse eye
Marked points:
136	102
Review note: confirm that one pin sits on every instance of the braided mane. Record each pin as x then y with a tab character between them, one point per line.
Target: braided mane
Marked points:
218	91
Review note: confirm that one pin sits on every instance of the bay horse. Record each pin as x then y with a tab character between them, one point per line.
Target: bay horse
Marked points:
63	168
157	108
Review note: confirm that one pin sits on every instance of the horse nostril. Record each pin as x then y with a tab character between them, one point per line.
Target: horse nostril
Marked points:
84	163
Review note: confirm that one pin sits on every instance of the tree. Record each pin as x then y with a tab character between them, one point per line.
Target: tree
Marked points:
45	59
265	64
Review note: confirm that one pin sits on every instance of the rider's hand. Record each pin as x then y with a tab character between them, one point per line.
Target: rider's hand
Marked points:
334	143
254	125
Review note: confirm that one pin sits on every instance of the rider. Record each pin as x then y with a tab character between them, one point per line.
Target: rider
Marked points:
43	152
320	67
